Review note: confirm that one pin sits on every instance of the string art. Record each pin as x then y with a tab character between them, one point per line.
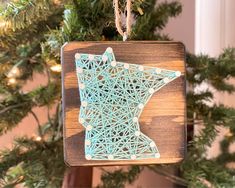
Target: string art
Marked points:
113	95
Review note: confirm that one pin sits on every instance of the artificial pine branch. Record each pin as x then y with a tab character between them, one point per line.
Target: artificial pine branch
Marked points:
19	14
14	108
10	39
39	166
149	25
215	71
30	161
197	169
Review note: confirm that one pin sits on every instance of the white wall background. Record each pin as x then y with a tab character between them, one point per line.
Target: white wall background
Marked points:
214	26
205	26
182	28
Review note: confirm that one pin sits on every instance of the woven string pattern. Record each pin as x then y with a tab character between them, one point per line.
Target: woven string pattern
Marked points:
113	95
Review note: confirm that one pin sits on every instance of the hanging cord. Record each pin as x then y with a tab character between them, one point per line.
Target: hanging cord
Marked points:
118	19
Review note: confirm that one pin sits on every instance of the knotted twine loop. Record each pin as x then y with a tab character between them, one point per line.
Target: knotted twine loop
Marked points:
118	19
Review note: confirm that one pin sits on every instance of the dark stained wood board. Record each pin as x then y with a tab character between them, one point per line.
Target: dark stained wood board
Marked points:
163	118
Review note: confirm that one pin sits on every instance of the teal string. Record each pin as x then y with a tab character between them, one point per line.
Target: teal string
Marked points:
113	95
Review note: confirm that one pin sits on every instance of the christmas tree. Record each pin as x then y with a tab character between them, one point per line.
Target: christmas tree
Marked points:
32	33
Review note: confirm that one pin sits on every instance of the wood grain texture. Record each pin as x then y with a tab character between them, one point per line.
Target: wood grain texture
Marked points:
163	118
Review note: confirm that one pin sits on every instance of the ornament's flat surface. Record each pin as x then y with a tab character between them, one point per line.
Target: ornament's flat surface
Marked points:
162	118
112	96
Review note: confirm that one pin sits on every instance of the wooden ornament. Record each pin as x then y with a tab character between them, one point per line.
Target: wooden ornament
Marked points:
162	119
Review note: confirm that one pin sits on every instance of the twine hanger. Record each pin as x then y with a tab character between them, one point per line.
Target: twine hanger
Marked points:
118	21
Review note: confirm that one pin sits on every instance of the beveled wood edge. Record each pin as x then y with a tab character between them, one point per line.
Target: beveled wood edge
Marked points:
63	105
66	44
167	160
127	162
185	104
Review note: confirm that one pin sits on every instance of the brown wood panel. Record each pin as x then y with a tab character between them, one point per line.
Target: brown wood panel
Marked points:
163	118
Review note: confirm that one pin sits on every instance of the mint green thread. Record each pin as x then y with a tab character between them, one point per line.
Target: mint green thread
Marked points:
113	95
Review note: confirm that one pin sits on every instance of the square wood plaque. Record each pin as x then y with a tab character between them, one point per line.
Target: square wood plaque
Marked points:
163	118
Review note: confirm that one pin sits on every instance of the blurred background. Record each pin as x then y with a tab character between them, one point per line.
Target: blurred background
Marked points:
204	26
